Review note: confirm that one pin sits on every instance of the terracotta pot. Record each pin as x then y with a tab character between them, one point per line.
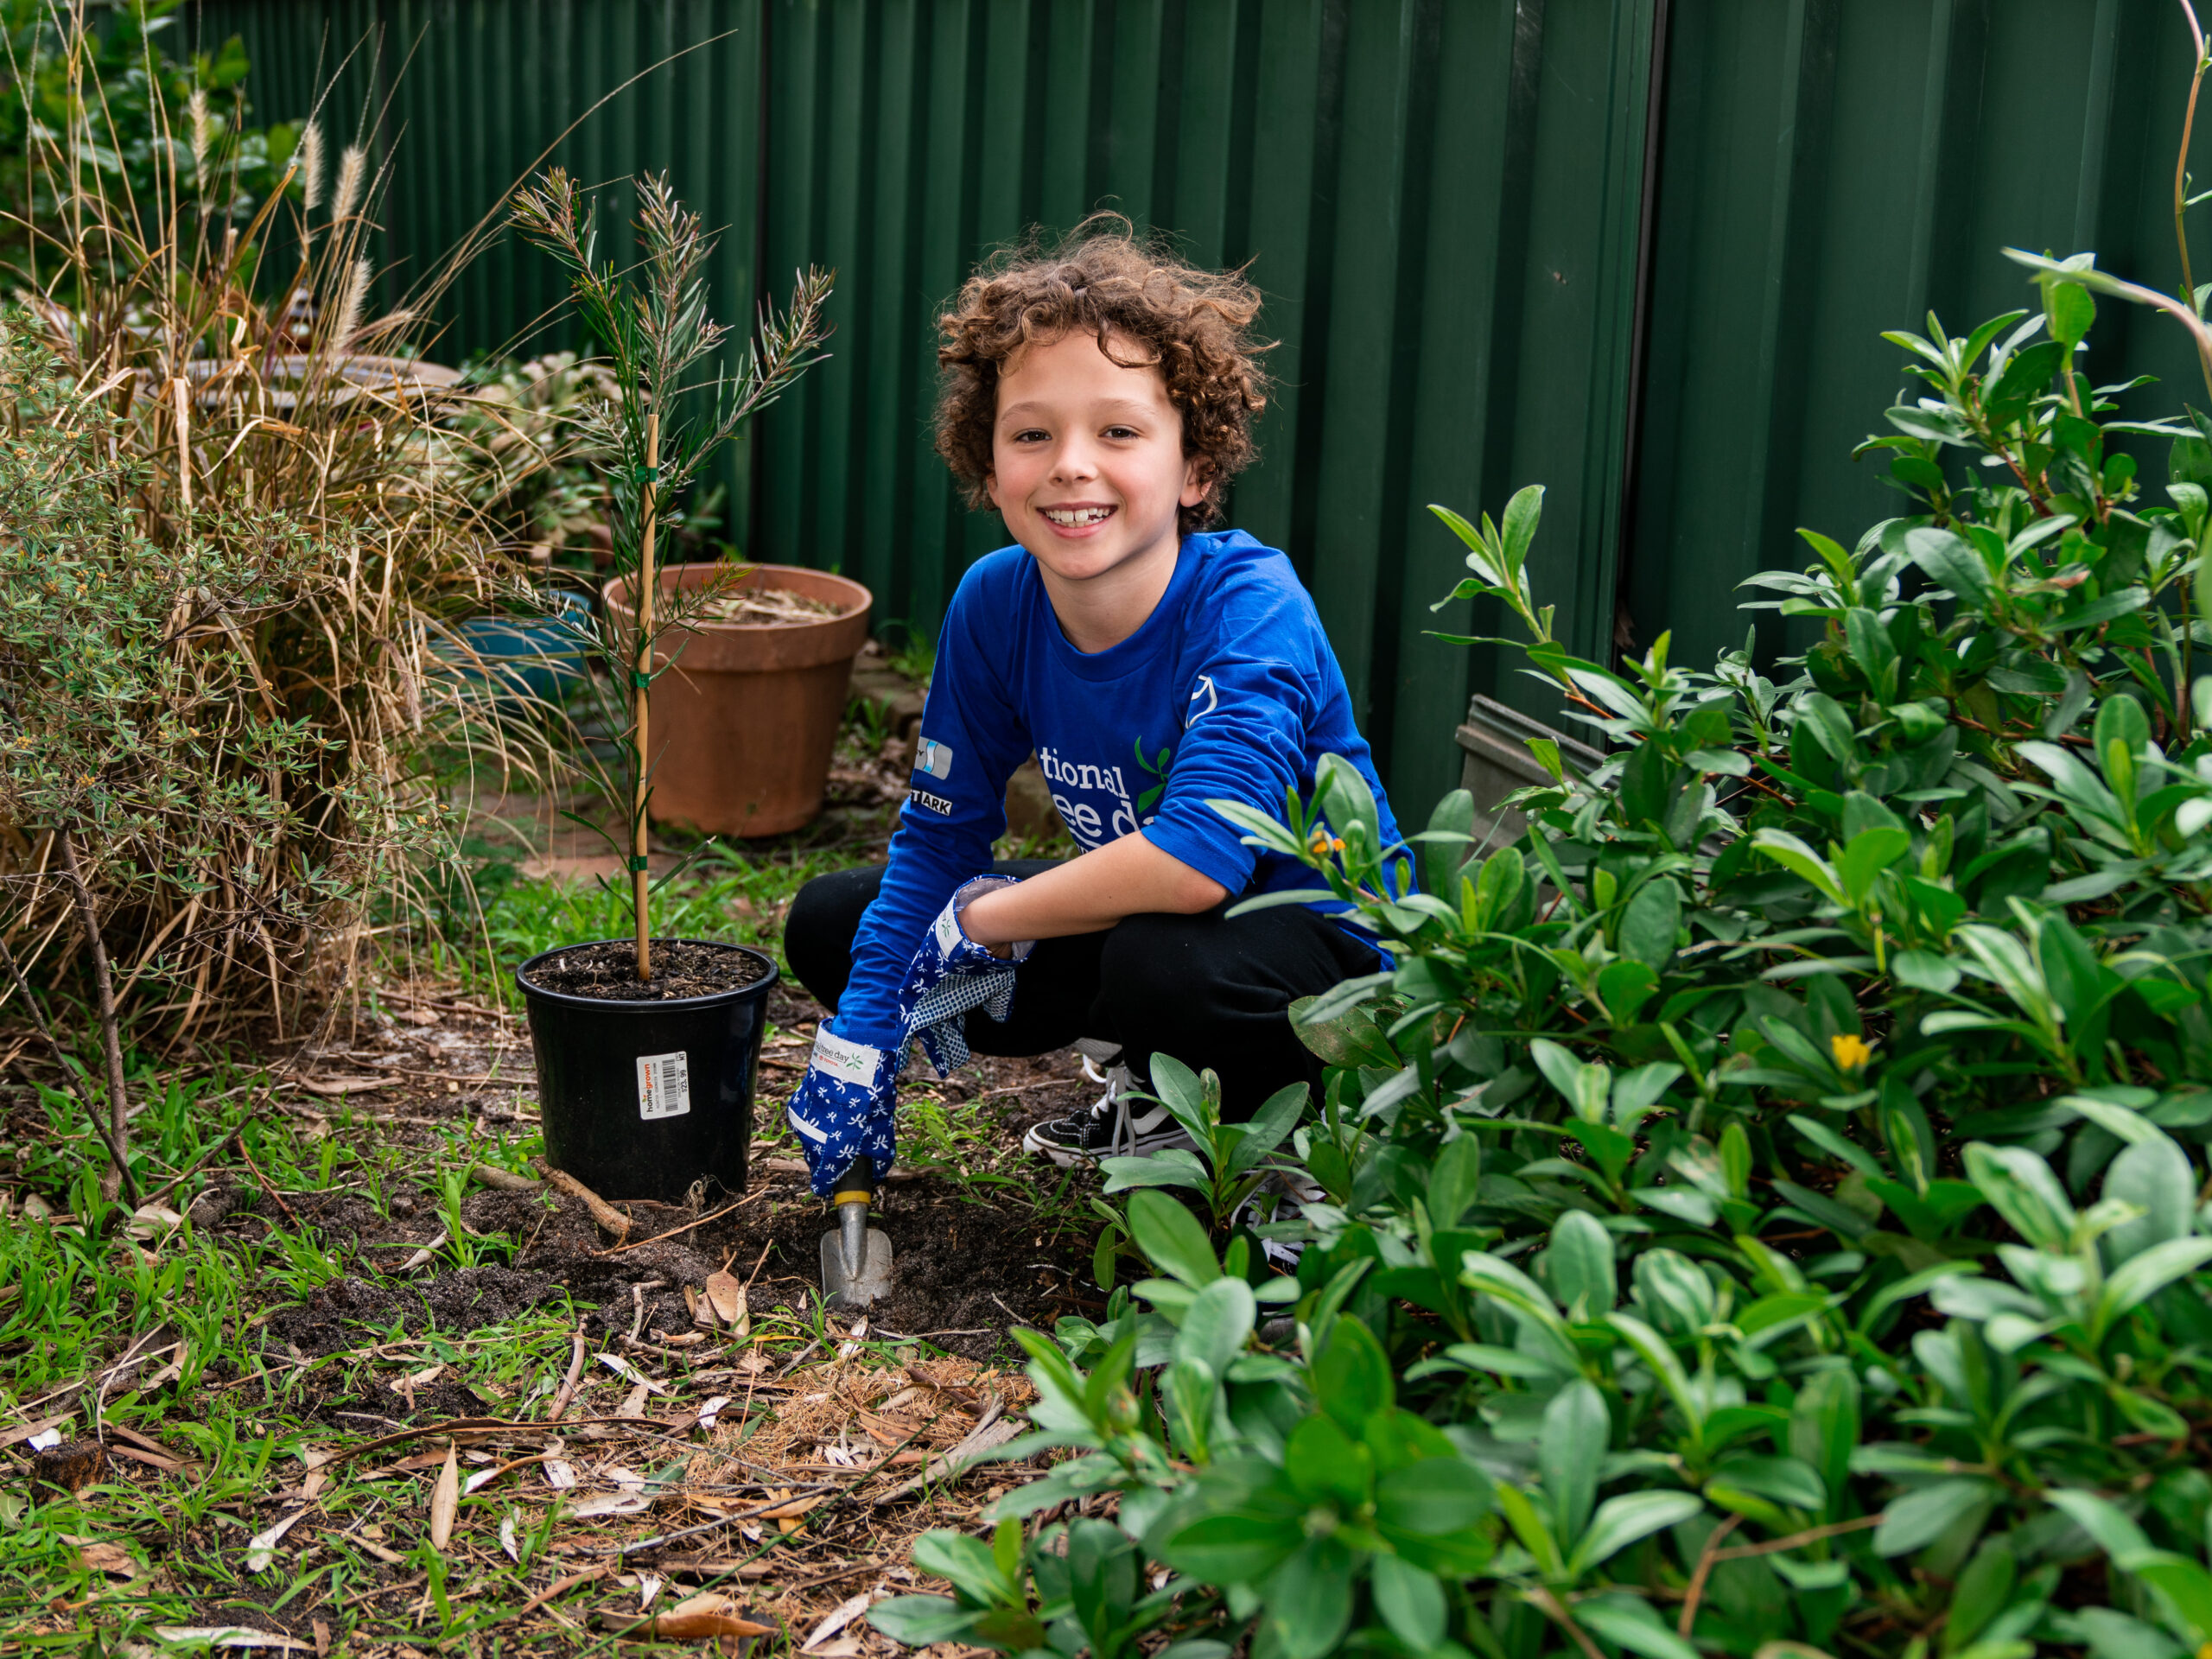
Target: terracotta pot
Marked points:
744	723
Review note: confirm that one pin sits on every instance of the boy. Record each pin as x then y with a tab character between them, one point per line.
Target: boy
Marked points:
1101	397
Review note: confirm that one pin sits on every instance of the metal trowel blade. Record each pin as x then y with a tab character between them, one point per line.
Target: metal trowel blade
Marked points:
854	1294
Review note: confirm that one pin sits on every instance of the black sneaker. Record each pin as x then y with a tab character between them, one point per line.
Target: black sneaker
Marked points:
1113	1126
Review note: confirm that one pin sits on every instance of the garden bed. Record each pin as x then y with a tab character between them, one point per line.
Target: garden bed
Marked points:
401	1328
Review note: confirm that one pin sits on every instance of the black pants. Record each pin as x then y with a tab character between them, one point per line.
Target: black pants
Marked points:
1208	990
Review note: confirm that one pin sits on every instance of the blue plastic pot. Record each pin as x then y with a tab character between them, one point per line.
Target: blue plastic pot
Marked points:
539	658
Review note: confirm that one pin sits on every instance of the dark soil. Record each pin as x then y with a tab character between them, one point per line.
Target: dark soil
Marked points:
681	967
962	1272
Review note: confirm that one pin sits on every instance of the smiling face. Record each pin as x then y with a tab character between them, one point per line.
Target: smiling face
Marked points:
1089	472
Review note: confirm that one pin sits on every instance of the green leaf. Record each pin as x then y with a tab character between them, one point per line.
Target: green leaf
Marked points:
1622	1521
1523	512
1434	1497
2183	1587
1277	1116
1650	923
2109	1529
1799	860
1307	1602
1924	971
1577	1433
1102	1575
1982	1592
1824	1428
1580	1263
1171	1167
1348	1038
1588	1088
1871	852
2116	1636
1918	1518
1324	1463
1235	1547
1218	1325
2154	1175
1951	563
1455	1181
2142	1277
1351	1377
966	1563
1411	1602
1652	1349
919	1621
2021	1188
1103	1257
1180	1091
1531	1527
1632	1624
1171	1239
1784	1480
1013	1630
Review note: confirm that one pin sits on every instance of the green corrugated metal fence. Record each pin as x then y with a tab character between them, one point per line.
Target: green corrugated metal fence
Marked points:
1480	271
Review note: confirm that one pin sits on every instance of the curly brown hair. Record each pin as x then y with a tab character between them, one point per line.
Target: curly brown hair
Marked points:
1193	326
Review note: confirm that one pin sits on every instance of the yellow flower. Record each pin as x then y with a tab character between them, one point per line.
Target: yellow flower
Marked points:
1851	1053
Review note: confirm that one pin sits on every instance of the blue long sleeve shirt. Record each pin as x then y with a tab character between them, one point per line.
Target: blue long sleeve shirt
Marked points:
1228	690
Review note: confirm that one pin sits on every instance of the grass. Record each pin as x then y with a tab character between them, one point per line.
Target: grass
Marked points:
80	1300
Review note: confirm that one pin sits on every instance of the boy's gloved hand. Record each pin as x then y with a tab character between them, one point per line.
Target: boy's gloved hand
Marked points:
952	974
847	1104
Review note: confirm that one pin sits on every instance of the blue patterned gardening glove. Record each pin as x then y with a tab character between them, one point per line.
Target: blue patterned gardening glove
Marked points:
847	1104
952	974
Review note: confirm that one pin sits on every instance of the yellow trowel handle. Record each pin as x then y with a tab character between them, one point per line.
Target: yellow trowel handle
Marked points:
857	1183
855	1190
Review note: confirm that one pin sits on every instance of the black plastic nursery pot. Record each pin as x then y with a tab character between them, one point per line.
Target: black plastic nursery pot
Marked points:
644	1099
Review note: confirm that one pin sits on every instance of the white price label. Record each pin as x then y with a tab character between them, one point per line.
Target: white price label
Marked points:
663	1085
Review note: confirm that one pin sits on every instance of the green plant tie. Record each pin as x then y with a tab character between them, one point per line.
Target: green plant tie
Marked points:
638	864
648	474
639	681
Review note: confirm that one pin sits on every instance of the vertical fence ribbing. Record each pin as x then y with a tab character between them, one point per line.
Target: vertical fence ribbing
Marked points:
1432	193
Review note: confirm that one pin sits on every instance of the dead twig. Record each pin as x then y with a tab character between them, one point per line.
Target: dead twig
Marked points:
559	1587
1774	1546
990	1433
110	1140
673	1232
1705	1560
568	1382
1550	1606
605	1214
740	1516
267	1185
119	1104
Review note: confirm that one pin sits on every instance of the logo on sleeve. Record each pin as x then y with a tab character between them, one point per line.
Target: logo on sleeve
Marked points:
933	758
1206	690
929	803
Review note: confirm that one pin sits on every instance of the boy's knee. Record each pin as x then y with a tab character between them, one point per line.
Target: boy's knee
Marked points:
818	932
1153	966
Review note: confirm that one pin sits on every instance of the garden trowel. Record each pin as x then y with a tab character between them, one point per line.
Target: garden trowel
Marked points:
855	1257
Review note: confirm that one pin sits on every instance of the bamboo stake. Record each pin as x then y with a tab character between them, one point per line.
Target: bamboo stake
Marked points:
641	696
184	442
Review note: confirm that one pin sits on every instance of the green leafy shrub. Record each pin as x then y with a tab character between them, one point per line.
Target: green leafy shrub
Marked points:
1764	1205
145	770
